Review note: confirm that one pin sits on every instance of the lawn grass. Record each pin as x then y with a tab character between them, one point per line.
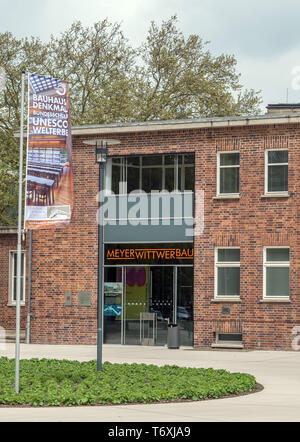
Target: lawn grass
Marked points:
50	382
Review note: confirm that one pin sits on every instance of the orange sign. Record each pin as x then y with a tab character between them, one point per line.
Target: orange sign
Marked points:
146	255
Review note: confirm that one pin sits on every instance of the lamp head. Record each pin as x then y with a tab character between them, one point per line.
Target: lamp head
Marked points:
101	145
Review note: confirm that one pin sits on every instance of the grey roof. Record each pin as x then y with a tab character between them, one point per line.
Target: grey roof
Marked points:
269	118
287	116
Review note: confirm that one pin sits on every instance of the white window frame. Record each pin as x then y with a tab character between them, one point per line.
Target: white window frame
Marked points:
219	194
268	264
267	192
224	264
11	301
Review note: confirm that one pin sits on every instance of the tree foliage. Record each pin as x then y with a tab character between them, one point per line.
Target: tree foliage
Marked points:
169	76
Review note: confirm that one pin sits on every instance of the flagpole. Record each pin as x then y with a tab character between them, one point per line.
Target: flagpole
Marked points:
19	250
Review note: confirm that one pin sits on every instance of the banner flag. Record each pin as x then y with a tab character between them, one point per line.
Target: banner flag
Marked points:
49	171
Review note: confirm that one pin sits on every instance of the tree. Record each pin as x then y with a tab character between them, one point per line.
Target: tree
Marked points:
15	56
98	62
167	77
180	78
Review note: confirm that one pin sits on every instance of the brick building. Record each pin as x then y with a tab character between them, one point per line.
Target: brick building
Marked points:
233	284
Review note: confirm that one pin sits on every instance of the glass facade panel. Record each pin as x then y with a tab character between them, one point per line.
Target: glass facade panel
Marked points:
185	301
152	160
189	159
169	160
149	173
189	178
115	178
133	179
113	305
133	161
152	179
169	179
139	307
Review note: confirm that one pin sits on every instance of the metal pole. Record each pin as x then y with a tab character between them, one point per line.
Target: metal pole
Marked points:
100	276
19	249
29	288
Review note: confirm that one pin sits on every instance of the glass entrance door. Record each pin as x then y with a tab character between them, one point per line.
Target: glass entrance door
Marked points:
136	303
140	302
149	305
161	301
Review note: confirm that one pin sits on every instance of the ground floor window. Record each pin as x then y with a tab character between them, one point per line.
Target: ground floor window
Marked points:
141	301
227	273
276	272
13	278
229	339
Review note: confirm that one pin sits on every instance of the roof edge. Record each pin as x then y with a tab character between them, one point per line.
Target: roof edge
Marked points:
168	125
185	124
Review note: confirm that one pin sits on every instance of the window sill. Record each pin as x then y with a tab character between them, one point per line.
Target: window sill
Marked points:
276	195
274	300
227	345
227	197
226	300
22	304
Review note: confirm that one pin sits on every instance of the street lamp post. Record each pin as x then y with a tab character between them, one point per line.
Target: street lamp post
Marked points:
101	151
19	249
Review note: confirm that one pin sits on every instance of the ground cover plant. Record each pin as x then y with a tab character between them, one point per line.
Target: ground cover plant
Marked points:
50	382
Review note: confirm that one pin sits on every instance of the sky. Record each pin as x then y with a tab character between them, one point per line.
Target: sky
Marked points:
263	35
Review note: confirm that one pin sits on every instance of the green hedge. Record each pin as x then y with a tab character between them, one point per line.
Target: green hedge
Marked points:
67	383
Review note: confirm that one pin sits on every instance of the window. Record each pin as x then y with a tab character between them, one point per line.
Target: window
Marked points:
227	273
228	176
276	174
13	278
229	338
151	172
276	272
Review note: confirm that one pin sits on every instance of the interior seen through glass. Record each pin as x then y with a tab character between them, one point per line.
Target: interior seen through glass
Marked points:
150	173
140	302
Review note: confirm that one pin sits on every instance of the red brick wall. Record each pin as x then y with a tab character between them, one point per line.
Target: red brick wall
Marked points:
8	243
66	259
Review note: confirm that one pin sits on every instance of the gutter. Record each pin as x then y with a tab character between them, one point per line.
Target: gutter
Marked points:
185	125
151	126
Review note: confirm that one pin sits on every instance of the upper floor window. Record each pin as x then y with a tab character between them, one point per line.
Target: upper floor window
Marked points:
150	173
276	175
13	278
228	175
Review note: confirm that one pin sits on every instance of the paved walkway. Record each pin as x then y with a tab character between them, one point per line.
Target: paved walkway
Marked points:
279	372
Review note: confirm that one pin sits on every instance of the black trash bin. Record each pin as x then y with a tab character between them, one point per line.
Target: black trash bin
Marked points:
173	336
